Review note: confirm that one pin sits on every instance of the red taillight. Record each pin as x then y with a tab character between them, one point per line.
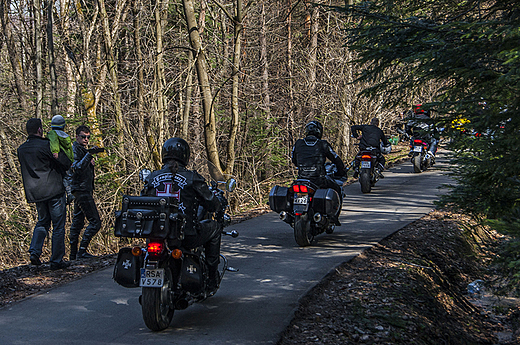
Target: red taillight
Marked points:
417	142
366	157
155	248
300	189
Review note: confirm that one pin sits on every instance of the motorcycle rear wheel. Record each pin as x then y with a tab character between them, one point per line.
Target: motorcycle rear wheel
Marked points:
416	161
364	180
302	231
157	312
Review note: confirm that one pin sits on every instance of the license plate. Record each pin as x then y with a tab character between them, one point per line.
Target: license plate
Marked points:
152	277
301	199
366	164
417	149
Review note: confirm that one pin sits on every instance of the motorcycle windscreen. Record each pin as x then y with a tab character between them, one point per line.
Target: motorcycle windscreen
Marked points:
326	201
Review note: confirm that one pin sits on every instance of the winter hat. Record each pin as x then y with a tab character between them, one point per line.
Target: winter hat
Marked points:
58	121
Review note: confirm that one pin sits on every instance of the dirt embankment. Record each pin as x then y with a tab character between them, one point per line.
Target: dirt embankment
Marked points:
411	288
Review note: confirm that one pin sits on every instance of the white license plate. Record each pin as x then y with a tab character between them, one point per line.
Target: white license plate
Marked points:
366	164
417	149
152	278
301	199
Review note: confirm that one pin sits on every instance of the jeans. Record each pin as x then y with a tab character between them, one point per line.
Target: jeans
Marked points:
84	207
52	210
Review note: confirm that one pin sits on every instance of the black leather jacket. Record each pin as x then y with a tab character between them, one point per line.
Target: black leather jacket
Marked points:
309	155
82	169
189	187
370	136
42	175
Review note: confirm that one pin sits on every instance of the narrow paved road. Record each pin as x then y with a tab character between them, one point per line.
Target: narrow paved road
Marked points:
253	305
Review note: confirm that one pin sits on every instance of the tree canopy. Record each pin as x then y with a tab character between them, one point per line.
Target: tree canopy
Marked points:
470	50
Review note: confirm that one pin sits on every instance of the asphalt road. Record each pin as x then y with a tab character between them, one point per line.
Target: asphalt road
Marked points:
253	305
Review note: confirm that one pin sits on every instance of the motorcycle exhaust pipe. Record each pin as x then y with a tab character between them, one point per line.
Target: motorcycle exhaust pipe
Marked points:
286	217
317	217
181	304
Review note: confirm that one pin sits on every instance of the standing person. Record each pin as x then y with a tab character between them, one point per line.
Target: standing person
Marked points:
83	189
370	136
190	188
309	155
59	140
43	185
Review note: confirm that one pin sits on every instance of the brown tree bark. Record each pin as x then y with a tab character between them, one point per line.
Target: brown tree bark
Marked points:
205	89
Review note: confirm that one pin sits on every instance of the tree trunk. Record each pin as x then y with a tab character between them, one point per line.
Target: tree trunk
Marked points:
109	35
14	54
313	61
202	73
187	102
239	15
52	63
39	57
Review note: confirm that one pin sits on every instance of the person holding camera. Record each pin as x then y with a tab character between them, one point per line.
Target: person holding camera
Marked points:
83	189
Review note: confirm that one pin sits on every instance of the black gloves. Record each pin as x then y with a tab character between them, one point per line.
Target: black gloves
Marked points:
96	149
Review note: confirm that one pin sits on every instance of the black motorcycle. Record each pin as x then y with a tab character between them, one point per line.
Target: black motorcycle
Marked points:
368	173
421	157
306	207
171	276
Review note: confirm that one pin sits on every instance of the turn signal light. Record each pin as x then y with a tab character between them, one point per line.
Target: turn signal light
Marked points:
155	248
137	251
176	253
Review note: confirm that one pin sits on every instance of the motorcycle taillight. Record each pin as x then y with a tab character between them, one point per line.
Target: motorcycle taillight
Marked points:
366	157
417	142
155	248
301	189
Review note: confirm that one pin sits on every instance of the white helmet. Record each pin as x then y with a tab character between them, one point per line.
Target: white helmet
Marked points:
386	149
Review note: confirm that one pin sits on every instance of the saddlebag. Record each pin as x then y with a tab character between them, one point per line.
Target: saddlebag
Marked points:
191	273
127	269
279	199
326	201
149	216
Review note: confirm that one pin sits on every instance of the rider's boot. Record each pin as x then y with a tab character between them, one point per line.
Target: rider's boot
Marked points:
214	279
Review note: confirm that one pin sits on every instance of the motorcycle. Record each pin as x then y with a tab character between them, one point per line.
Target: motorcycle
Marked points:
306	207
171	276
421	157
368	173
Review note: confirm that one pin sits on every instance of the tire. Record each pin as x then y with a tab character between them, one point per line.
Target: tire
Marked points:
416	161
157	312
365	181
302	231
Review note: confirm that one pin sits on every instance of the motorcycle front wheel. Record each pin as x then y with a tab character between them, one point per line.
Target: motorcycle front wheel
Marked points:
416	161
156	306
302	231
365	181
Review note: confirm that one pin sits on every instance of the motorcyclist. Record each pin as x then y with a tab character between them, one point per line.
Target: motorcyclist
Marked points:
418	127
370	136
309	155
191	190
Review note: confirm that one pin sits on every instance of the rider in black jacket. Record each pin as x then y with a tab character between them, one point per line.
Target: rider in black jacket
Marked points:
309	155
190	188
370	136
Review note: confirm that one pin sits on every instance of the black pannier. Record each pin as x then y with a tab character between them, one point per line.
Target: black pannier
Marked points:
279	199
127	270
326	201
149	216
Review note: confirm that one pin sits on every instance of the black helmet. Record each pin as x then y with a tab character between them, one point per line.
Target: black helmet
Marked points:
314	128
176	148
